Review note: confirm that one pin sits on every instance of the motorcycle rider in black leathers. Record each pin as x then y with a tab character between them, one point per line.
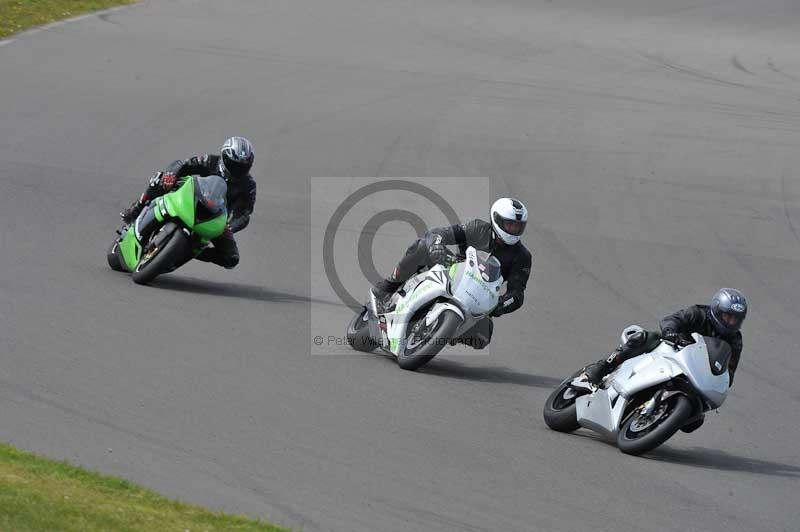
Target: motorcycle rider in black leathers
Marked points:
500	238
233	164
722	319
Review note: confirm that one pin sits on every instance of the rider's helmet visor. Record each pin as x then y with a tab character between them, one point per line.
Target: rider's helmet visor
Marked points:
734	321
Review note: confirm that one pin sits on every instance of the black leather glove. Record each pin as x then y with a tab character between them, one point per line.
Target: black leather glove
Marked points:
499	310
680	340
239	223
130	214
439	254
684	340
670	336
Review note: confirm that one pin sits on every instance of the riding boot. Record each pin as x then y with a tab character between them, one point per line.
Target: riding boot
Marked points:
383	292
597	371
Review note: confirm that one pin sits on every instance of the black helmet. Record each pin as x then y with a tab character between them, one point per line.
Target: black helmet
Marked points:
236	158
728	310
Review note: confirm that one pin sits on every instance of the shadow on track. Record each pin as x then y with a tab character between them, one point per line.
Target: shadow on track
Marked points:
722	461
241	291
496	374
705	458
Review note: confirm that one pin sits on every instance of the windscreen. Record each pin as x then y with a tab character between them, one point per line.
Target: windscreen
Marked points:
719	354
489	267
210	192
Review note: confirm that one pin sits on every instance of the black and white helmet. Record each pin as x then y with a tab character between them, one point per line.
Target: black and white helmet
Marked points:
509	218
236	158
728	310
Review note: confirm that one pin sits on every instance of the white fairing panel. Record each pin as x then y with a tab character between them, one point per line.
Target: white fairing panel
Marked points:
594	411
475	294
433	284
644	371
601	411
694	360
440	307
472	298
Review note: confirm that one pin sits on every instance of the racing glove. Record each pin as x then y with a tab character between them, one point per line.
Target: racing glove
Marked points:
503	304
680	340
132	212
670	335
439	254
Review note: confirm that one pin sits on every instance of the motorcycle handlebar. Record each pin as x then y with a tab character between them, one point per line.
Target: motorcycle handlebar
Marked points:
680	344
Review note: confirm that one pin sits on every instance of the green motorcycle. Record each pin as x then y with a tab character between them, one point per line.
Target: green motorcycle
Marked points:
171	230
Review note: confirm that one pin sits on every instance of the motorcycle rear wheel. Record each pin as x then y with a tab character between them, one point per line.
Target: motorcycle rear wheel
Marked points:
113	258
358	333
560	412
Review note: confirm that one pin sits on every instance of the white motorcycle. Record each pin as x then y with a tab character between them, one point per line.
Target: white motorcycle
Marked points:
431	310
648	398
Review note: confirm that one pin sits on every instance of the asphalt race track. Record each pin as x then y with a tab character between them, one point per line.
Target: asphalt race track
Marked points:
656	144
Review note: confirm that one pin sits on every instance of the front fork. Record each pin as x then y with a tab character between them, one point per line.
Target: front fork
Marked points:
153	217
676	388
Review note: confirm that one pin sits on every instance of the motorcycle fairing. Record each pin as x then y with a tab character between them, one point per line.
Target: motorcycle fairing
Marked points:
181	204
478	294
129	249
645	371
428	286
602	410
433	285
696	362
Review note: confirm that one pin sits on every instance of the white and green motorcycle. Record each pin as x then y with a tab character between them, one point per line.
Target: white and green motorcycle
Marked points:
431	310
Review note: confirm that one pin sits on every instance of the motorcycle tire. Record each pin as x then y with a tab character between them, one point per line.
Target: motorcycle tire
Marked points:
173	247
417	354
560	413
113	257
636	442
358	333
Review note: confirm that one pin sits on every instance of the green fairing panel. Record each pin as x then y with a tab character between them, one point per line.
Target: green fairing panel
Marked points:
160	207
180	204
130	249
212	228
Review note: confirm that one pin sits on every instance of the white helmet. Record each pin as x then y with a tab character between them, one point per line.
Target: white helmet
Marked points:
509	217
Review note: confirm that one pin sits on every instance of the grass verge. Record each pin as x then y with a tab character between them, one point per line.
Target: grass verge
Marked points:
39	494
19	15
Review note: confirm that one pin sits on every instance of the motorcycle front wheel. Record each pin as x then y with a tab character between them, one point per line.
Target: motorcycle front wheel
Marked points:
165	252
640	433
424	342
